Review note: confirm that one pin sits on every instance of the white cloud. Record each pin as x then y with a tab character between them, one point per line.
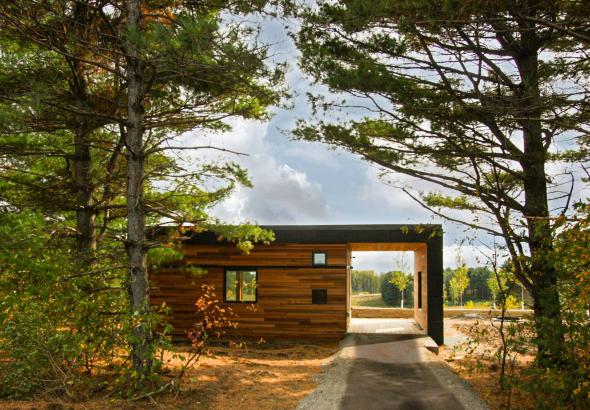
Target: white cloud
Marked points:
471	255
281	193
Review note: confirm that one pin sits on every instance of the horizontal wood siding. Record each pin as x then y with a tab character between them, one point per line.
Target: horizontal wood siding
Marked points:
285	280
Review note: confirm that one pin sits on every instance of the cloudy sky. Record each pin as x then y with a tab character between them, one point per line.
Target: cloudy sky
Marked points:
307	183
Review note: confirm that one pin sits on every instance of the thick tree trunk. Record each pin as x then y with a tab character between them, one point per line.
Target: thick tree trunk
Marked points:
82	159
141	346
543	276
85	212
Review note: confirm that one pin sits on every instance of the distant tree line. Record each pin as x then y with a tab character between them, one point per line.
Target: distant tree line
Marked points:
365	281
480	286
462	286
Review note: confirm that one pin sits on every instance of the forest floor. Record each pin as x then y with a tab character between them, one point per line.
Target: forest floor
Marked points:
279	375
476	364
258	376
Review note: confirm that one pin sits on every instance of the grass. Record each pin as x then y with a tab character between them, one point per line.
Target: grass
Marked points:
368	300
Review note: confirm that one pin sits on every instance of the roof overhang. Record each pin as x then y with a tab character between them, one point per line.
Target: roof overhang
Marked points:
360	237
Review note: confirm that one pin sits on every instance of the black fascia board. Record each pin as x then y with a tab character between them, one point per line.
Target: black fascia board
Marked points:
334	234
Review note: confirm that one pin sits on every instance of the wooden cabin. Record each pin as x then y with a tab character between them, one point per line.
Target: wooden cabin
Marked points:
299	286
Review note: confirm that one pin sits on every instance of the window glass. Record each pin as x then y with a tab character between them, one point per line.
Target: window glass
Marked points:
240	286
231	286
320	258
248	286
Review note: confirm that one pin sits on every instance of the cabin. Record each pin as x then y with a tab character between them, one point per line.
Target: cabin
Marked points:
299	286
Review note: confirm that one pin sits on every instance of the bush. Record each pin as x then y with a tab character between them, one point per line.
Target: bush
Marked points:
56	322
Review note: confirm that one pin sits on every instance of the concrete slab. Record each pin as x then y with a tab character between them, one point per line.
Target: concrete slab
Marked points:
389	369
384	325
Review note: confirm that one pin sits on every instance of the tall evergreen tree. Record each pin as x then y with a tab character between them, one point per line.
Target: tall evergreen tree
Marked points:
169	67
477	98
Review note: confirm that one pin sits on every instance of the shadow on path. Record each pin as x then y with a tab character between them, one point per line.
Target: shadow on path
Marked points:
374	385
390	371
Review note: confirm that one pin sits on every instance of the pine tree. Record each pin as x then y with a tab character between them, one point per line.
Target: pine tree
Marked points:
469	97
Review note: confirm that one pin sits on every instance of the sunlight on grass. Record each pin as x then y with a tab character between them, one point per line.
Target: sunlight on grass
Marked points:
368	300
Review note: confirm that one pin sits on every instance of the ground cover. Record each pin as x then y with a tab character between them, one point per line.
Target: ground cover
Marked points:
368	300
475	362
252	376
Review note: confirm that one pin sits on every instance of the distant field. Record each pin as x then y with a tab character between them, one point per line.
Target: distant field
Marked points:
368	300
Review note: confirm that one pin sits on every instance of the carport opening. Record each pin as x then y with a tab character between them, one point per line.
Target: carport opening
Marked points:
383	280
386	291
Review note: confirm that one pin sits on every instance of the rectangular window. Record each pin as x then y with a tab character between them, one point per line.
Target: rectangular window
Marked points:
319	296
241	286
319	259
419	290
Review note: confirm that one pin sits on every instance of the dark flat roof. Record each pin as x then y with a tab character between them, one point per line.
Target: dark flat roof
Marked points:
381	233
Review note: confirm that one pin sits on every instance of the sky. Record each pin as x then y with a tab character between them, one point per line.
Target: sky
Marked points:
299	182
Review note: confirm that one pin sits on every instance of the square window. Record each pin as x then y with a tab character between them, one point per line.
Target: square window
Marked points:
319	259
319	296
240	286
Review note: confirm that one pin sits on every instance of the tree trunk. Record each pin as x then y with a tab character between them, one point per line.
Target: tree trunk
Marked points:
141	346
402	304
82	158
85	213
543	277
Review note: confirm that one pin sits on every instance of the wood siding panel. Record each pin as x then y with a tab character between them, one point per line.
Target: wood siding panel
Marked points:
286	278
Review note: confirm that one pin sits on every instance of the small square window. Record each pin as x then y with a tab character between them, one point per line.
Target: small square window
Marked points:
319	259
319	296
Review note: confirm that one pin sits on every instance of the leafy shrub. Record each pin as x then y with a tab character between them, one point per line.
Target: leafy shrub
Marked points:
56	322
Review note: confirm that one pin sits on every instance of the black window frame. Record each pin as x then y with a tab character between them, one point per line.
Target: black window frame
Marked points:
240	269
314	253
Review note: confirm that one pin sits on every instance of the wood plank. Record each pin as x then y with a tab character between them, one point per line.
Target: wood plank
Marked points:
284	308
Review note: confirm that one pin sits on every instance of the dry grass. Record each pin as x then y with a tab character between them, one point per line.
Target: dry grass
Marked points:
260	376
479	368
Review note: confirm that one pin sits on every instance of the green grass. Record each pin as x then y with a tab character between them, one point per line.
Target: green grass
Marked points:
368	300
482	304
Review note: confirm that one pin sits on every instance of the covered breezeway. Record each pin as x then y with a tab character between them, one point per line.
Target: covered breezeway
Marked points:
428	276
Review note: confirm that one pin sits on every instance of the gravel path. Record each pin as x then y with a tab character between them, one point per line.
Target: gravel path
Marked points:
390	371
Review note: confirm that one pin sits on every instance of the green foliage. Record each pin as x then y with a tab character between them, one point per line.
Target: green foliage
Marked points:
451	94
563	385
64	146
365	281
401	280
56	322
391	295
458	283
244	236
500	285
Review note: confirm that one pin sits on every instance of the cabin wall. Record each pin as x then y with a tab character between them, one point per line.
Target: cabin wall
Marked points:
286	278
